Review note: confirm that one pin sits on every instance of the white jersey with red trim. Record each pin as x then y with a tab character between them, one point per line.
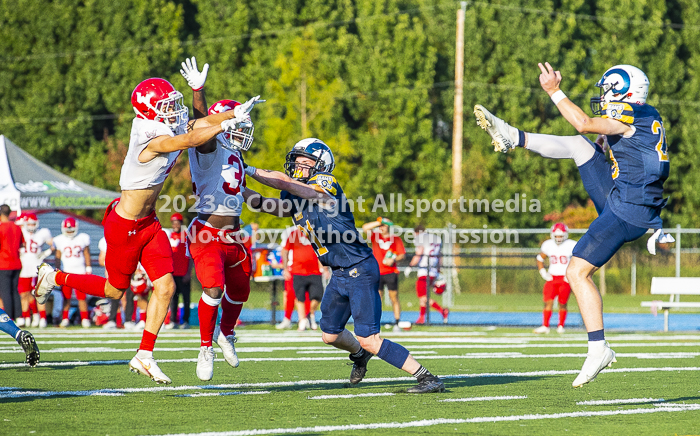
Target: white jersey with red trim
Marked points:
72	256
559	255
431	244
30	254
218	181
140	175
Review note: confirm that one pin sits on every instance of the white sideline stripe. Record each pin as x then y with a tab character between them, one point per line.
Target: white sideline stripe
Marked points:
331	397
222	394
619	401
460	400
432	422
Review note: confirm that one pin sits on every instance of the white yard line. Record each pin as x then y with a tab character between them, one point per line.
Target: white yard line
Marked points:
432	422
222	394
619	401
332	397
464	400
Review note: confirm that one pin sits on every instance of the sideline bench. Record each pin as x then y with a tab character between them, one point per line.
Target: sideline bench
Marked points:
675	287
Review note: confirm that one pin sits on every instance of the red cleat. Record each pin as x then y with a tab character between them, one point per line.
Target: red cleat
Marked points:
445	314
420	320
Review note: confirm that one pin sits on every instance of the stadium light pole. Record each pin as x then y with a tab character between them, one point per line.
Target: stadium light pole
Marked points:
458	108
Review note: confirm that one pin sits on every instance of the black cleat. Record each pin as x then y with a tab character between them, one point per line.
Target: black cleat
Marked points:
26	340
359	367
427	385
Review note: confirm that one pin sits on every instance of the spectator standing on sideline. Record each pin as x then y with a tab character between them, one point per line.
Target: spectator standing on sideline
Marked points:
181	272
11	240
388	250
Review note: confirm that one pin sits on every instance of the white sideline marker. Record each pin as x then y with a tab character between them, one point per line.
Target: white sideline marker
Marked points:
463	400
619	401
332	397
432	422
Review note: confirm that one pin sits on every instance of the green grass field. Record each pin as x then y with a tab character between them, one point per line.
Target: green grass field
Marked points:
499	381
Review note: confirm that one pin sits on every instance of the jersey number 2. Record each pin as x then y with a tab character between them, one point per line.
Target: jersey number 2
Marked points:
658	129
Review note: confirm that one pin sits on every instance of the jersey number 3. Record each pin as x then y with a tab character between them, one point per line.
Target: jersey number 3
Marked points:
658	129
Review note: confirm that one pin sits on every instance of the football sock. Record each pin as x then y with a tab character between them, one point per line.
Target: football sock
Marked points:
598	335
33	306
289	305
86	283
421	372
562	317
423	309
65	314
26	314
148	341
521	139
42	314
230	311
577	148
396	321
436	306
547	316
393	353
207	310
359	353
7	325
83	315
307	305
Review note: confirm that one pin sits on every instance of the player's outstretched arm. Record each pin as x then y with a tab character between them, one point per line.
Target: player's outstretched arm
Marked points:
550	81
273	206
281	181
368	227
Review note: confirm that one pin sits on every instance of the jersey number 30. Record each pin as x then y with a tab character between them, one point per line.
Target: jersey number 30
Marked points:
658	129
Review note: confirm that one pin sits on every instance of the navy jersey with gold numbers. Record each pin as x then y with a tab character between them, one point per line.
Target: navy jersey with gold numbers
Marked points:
332	231
640	164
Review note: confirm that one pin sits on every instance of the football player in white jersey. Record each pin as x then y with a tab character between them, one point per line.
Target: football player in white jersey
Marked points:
73	257
221	261
427	259
31	255
159	133
558	250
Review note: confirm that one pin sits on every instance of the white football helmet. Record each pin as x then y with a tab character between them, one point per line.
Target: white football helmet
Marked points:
314	149
560	233
621	83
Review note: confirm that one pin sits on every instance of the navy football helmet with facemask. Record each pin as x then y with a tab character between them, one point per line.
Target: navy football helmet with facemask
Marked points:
314	149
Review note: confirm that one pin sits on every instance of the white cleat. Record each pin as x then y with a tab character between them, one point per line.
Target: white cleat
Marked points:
148	367
560	329
227	345
64	323
170	326
303	325
504	137
129	325
110	325
543	329
43	323
21	322
285	324
593	365
312	322
140	325
36	319
205	363
85	323
45	283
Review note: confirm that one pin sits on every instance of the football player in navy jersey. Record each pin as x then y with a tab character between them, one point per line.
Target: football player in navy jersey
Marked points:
320	209
628	196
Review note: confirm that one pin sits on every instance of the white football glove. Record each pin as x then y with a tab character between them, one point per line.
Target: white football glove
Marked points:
194	77
88	269
407	271
546	275
44	254
660	237
242	110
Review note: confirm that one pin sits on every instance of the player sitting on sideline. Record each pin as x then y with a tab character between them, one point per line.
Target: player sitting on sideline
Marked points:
427	259
558	250
159	133
318	206
73	257
388	249
628	196
31	256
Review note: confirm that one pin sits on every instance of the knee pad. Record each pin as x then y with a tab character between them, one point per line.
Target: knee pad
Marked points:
214	302
393	353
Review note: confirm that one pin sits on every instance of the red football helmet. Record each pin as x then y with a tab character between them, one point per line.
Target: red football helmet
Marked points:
69	227
440	284
30	222
156	99
560	233
242	138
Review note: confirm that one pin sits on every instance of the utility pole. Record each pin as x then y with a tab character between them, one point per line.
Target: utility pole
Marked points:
303	104
459	102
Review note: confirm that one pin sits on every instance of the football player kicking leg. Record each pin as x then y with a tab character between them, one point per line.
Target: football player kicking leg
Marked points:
315	201
160	132
634	131
221	260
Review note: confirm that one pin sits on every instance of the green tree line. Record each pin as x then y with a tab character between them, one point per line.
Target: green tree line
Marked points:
373	79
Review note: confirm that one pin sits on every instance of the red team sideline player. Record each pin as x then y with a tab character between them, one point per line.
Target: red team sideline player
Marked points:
558	250
159	133
31	255
73	256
